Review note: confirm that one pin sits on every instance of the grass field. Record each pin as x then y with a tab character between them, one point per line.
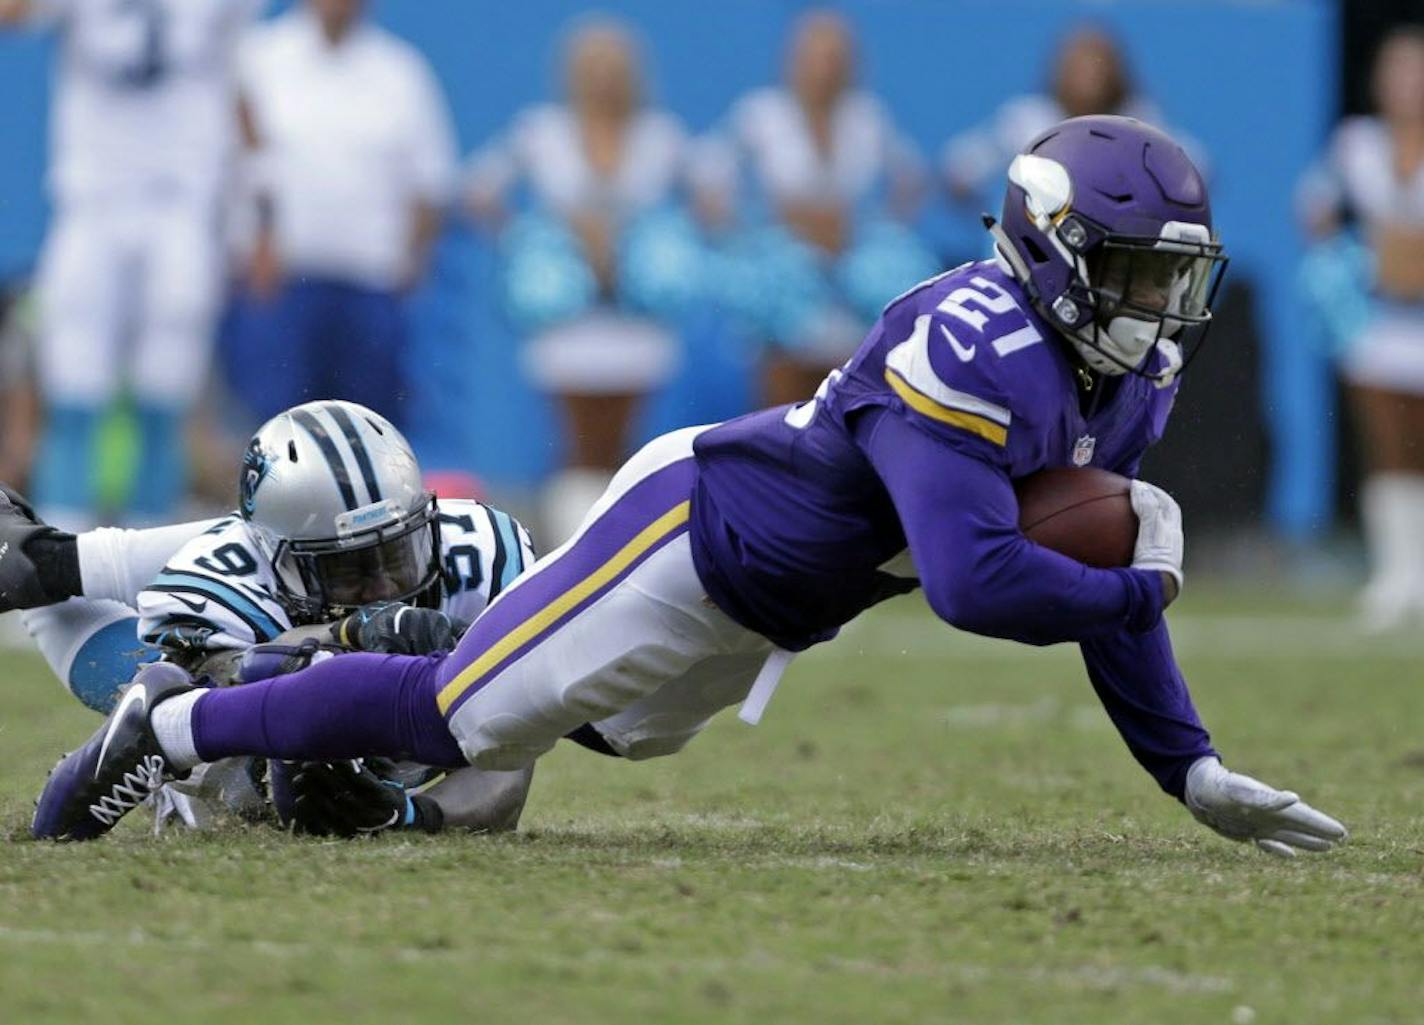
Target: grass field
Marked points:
926	827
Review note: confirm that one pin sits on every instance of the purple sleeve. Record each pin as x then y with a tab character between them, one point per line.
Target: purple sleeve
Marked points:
1137	680
978	571
981	574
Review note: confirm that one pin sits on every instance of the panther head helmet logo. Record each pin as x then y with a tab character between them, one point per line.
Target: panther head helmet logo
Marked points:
256	464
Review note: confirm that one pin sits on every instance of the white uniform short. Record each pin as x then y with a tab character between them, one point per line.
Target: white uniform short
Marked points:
612	628
601	353
1389	353
1357	173
129	290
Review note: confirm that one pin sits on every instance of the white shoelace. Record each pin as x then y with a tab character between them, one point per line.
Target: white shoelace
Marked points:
131	791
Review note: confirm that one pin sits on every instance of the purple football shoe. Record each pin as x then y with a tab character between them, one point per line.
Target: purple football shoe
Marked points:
116	771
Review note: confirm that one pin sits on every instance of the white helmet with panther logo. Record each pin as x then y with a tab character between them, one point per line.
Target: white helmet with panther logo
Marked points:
334	499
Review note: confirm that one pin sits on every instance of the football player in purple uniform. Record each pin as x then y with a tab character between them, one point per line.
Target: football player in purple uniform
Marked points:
718	552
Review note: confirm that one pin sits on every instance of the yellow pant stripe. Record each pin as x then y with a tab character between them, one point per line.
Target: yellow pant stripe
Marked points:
549	614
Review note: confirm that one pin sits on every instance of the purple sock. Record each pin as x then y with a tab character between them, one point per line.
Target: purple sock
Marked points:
350	706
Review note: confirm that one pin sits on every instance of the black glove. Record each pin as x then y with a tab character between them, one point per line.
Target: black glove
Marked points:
39	565
394	628
349	799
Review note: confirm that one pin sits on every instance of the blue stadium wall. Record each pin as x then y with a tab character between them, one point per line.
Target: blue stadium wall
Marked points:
1255	82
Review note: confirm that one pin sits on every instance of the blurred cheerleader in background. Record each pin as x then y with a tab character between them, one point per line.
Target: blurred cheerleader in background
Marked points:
1364	204
599	261
821	181
1090	76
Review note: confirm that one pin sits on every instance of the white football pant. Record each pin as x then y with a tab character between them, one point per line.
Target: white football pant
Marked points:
129	288
612	628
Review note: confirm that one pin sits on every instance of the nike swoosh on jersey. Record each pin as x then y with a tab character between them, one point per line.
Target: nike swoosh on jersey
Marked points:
136	693
964	354
196	606
911	361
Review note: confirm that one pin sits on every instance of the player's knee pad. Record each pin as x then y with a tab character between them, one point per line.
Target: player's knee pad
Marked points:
655	747
646	742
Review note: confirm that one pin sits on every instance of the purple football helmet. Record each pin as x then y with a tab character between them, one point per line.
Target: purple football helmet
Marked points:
1107	226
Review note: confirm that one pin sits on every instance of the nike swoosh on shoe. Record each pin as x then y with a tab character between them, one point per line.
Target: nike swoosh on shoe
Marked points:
136	693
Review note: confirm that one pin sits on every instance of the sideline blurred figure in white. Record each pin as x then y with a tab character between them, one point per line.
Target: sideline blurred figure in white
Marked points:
819	166
142	135
601	257
1090	76
351	165
1370	183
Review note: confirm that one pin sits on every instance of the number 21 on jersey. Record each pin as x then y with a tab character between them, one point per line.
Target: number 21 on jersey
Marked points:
977	307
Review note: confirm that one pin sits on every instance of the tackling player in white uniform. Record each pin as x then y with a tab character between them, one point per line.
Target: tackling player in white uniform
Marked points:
143	129
333	517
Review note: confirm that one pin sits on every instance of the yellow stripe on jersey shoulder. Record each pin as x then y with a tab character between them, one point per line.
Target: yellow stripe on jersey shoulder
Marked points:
985	428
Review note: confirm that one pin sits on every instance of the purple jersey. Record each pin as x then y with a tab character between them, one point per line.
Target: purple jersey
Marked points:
899	473
798	522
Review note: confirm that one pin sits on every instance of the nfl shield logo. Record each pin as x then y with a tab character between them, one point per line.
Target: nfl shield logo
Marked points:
1083	450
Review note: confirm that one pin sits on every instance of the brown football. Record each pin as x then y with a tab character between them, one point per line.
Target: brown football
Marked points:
1085	514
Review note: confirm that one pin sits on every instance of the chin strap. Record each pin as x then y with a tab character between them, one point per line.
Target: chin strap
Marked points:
1013	262
1171	354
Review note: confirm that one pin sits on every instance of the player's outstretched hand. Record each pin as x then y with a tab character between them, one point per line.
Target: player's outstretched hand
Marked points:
347	799
1159	535
1241	808
395	628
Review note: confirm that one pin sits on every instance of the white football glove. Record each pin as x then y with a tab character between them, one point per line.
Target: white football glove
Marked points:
1241	808
1159	531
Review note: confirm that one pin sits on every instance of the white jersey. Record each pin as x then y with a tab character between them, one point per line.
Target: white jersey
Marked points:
143	93
1357	174
218	593
544	148
767	133
351	136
